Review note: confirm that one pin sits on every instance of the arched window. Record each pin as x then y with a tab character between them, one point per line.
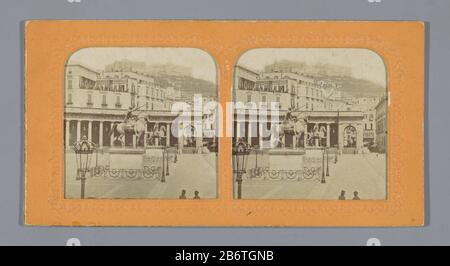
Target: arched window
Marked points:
350	137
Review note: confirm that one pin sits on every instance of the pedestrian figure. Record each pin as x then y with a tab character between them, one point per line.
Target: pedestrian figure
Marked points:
196	195
183	194
355	195
342	196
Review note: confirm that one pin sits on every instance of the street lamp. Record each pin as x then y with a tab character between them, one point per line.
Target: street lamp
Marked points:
167	161
163	170
240	157
83	154
328	170
323	181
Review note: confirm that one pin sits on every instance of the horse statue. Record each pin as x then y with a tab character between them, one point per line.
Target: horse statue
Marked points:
136	125
295	125
156	134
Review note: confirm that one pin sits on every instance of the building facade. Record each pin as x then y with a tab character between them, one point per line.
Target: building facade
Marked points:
381	124
342	130
327	125
95	101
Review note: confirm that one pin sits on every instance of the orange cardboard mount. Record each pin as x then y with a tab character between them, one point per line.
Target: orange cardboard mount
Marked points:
49	44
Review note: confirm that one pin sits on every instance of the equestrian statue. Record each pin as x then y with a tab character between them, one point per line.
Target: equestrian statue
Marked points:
293	125
132	123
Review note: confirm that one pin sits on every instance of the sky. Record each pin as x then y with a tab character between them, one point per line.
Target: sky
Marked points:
364	63
202	64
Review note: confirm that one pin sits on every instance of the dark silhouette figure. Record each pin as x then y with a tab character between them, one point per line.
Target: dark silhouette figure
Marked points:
183	194
355	195
342	196
196	195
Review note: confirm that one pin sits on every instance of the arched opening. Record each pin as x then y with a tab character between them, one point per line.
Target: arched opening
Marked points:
350	137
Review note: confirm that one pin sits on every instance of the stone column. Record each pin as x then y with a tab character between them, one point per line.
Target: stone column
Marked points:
111	139
67	135
359	137
236	128
260	135
340	136
89	131
168	134
78	130
305	135
249	133
328	135
294	141
100	134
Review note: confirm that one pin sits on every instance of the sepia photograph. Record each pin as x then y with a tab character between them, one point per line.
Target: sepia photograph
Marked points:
310	123
131	126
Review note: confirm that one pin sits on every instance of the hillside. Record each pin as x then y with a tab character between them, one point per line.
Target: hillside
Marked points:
353	87
188	85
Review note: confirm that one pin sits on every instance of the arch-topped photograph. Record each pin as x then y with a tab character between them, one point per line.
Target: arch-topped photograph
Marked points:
122	104
314	124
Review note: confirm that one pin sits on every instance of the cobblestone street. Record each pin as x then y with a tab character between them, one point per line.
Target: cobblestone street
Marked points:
202	178
364	173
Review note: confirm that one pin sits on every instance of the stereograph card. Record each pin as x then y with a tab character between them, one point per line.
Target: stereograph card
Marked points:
224	123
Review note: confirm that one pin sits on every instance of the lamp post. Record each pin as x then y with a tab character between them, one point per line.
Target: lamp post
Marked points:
240	157
323	181
328	170
83	154
167	161
163	172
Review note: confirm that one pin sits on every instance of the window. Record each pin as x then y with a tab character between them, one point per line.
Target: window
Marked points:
249	98
69	98
104	100
118	101
278	99
89	99
69	84
263	99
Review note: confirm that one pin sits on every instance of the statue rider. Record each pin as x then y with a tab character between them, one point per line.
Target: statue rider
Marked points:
129	114
288	116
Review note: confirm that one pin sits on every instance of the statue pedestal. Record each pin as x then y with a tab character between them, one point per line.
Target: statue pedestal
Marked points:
123	158
153	157
285	159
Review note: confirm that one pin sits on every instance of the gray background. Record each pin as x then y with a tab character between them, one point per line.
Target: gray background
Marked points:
435	12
